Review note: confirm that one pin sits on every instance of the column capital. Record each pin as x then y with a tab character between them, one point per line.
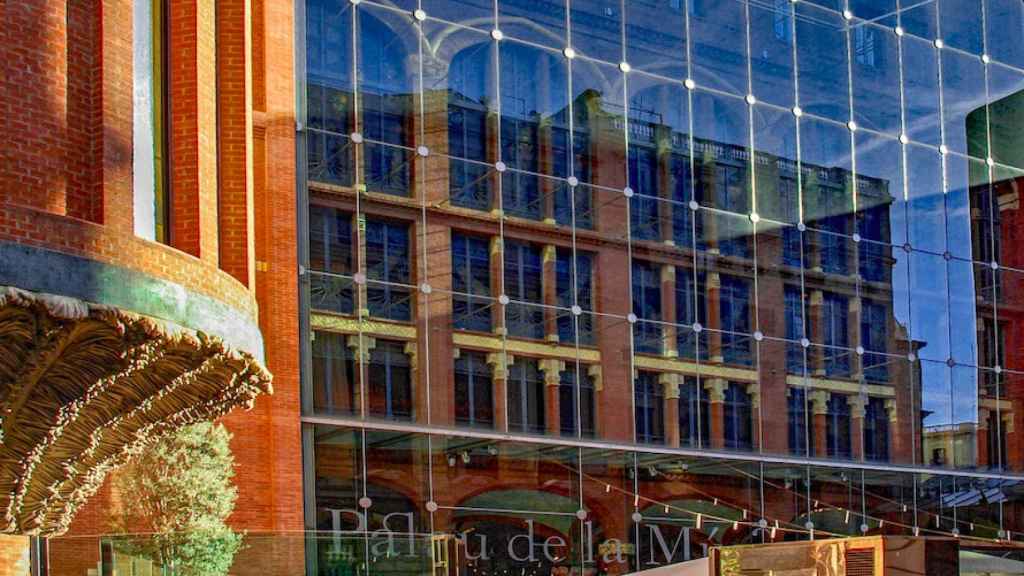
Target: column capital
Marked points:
668	272
496	245
411	351
713	280
499	362
819	401
891	409
594	371
552	369
670	384
549	253
716	389
983	415
754	391
817	297
858	406
361	346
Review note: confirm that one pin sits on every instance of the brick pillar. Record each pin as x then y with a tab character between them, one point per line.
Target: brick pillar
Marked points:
819	411
981	440
857	412
670	392
553	368
36	104
712	294
193	129
816	322
668	307
435	312
234	101
549	285
499	362
716	408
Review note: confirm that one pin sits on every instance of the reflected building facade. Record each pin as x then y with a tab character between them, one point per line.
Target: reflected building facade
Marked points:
591	287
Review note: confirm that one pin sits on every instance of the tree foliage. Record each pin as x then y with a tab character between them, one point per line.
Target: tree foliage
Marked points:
179	491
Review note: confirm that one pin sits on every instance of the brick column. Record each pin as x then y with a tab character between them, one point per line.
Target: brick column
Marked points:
816	323
234	101
499	362
712	295
552	368
193	129
819	411
716	409
549	286
858	409
670	392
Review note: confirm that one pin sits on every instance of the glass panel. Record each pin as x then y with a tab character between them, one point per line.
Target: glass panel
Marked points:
772	52
822	62
876	78
656	37
719	61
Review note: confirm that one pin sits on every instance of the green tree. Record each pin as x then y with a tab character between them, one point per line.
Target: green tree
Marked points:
179	491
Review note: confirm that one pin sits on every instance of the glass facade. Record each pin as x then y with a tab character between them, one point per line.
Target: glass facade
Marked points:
593	286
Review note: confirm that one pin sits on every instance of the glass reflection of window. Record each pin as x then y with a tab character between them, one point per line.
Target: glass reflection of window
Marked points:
781	23
526	397
682	195
790	211
389	382
694	414
876	430
864	46
996	439
468	95
334	375
386	104
794	330
873	226
738	417
524	316
731	196
734	311
521	109
835	312
474	404
837	426
579	280
471	283
874	338
576	415
330	252
691	308
387	270
800	439
834	225
329	91
643	206
647	306
650	410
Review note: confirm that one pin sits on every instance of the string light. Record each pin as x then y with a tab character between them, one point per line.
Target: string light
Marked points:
607	488
735	525
700	521
846	520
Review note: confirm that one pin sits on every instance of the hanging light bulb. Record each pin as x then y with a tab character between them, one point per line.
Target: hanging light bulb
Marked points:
607	488
917	530
772	534
700	521
636	500
881	523
846	519
938	521
735	525
716	501
666	508
744	513
904	507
